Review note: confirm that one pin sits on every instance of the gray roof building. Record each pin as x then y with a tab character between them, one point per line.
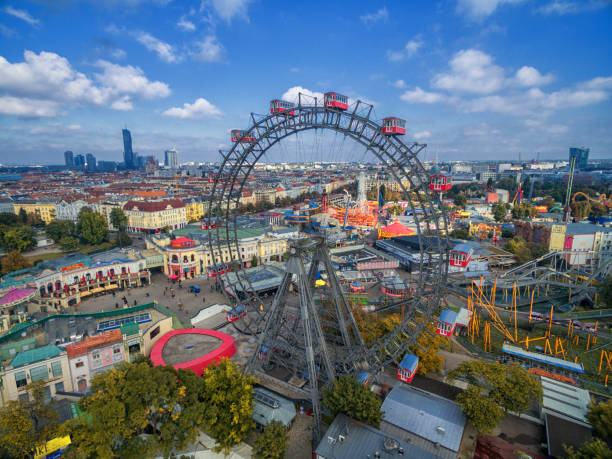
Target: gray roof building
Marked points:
427	421
269	406
350	439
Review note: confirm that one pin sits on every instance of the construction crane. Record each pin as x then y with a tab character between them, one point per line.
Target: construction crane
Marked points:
570	183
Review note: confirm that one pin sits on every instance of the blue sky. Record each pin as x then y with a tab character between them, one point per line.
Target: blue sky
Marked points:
475	79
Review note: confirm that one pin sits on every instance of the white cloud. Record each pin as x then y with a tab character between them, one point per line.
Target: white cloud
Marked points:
186	25
209	50
529	76
597	83
478	9
471	71
164	50
422	135
291	95
418	96
227	9
51	82
562	7
21	14
409	50
399	84
26	107
118	53
201	108
371	18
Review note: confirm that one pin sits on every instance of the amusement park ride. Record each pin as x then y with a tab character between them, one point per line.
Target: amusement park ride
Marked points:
307	335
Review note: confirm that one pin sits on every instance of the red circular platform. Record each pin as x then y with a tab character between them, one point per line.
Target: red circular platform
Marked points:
192	349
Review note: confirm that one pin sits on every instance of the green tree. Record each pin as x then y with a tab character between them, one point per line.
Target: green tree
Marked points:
598	210
460	200
594	449
510	387
69	243
490	183
481	411
605	291
91	226
136	410
118	218
8	219
499	211
523	210
23	215
228	398
396	210
254	261
518	246
59	229
507	234
272	443
600	417
460	233
548	202
27	424
580	209
14	261
123	240
427	350
17	238
347	395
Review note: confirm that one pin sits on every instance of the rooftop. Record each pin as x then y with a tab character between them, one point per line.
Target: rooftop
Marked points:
433	418
35	355
94	342
269	406
349	439
565	401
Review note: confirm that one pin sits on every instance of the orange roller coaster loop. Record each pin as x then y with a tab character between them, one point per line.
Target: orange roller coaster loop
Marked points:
601	199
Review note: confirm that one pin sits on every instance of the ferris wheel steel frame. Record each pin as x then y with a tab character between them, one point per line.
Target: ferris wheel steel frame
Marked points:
402	163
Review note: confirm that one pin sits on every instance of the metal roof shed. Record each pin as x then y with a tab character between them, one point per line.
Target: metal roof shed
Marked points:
432	423
269	406
350	439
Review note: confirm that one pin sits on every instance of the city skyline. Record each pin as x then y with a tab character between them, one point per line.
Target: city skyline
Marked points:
472	78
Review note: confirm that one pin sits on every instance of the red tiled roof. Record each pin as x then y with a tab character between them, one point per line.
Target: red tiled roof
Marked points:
154	206
93	342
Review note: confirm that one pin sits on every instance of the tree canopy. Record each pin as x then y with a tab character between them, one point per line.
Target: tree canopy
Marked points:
91	226
499	211
24	425
14	261
600	417
118	218
272	443
605	291
426	349
593	449
59	229
460	200
523	210
580	209
135	410
509	387
19	237
347	395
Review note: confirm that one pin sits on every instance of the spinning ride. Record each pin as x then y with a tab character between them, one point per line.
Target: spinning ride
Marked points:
312	331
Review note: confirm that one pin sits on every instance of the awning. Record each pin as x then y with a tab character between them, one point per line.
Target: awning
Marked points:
173	276
85	293
111	287
97	290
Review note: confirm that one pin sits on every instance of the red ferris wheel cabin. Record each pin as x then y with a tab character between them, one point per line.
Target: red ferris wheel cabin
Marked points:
282	106
439	182
335	100
394	126
241	136
461	255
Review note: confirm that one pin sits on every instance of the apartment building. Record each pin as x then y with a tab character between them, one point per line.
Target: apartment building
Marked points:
45	210
151	217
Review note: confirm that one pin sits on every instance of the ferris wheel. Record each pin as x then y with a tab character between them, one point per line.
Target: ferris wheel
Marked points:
307	334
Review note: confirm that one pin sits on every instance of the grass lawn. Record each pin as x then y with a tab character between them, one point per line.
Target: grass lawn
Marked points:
85	249
43	256
590	360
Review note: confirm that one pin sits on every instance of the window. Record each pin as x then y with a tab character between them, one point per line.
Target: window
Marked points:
59	387
79	365
20	379
117	357
97	358
154	332
39	373
56	368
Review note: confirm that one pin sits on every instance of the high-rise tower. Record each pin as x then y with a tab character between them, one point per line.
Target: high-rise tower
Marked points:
128	154
581	155
171	159
69	158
